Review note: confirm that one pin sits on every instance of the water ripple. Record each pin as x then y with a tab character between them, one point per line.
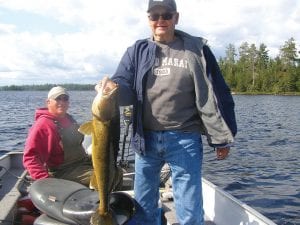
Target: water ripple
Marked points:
263	169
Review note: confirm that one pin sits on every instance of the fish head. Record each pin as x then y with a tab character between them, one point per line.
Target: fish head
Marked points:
105	104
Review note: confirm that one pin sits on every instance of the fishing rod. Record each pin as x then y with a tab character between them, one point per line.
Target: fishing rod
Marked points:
127	120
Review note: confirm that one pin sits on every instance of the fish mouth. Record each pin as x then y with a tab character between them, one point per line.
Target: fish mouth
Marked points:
108	92
103	104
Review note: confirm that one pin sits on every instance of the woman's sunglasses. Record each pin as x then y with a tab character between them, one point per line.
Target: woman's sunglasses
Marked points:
64	98
164	16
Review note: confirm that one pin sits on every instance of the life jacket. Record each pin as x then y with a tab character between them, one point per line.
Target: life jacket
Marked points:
72	142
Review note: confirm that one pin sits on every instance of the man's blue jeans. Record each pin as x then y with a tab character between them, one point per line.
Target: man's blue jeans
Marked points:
183	151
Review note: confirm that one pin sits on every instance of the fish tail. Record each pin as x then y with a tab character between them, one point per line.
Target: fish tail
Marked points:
102	218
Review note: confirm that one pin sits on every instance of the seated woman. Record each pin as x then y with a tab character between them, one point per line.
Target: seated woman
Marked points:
54	146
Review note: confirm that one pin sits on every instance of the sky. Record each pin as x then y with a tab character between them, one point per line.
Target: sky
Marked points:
80	41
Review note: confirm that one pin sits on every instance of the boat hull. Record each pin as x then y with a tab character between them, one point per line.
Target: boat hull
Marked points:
220	207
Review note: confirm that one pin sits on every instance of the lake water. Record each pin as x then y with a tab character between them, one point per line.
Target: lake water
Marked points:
263	169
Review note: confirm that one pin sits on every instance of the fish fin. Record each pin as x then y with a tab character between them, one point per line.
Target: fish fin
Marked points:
93	182
86	128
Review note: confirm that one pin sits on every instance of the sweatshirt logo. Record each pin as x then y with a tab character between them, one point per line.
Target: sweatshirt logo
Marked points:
161	71
169	61
163	68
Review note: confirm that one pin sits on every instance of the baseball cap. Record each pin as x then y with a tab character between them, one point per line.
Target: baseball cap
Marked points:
170	4
57	91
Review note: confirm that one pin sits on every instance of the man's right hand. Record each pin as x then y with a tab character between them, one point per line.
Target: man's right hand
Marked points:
105	85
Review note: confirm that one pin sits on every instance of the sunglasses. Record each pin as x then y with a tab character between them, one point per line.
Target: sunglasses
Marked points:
64	98
164	16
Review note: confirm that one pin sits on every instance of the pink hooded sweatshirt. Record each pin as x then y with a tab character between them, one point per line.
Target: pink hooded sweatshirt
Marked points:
43	147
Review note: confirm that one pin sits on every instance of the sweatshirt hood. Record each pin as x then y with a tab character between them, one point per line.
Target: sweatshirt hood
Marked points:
43	112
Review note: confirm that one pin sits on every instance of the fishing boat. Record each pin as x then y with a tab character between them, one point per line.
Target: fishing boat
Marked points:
220	207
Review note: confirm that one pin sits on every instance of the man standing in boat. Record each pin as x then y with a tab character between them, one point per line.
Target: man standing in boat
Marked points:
54	145
178	93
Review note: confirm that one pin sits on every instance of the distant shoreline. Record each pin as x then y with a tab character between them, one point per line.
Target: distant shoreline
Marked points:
47	87
90	87
267	93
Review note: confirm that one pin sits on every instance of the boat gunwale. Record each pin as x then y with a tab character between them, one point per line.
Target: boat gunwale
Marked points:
10	196
237	203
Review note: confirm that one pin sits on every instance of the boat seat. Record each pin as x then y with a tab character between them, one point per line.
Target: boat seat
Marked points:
72	203
44	219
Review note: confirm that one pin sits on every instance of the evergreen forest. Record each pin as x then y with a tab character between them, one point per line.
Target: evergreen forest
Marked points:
250	69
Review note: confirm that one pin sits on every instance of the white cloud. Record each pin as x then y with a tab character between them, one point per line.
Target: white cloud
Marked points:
82	40
6	28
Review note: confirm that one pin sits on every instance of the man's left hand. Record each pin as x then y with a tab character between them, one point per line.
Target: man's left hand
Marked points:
222	153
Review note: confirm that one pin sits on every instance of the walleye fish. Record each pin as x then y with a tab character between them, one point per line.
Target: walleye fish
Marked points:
105	130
